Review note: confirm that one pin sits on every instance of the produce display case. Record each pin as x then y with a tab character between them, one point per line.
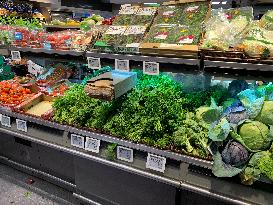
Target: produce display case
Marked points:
195	129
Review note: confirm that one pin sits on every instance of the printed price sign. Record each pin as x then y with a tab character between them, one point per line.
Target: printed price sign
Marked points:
156	163
77	141
125	154
5	121
93	63
150	68
122	65
92	145
21	125
15	56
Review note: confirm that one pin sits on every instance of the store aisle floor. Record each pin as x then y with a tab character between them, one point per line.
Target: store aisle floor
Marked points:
21	189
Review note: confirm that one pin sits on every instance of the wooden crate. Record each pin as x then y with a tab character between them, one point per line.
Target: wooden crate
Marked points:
169	50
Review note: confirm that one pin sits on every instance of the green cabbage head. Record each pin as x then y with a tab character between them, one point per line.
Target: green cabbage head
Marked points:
255	135
266	114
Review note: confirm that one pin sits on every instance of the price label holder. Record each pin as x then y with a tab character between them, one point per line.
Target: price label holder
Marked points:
94	63
92	145
21	125
15	56
122	65
125	154
77	141
150	68
5	121
156	163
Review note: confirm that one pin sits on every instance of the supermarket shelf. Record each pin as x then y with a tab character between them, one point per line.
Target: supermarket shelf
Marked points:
46	51
238	66
143	58
62	27
111	139
207	186
94	158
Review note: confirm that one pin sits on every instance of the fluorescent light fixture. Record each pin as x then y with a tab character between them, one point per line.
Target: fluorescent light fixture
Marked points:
224	2
216	2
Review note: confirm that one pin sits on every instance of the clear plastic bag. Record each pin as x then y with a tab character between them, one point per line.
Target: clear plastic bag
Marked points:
224	31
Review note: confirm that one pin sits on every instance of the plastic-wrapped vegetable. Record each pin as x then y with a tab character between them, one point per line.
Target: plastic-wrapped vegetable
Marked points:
161	33
168	14
144	16
132	35
267	20
223	33
258	42
111	37
125	16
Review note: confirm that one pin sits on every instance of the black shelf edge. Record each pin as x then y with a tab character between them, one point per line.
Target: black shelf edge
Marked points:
238	66
46	51
143	58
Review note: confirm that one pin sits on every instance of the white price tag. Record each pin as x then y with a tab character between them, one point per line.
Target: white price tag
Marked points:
150	68
122	65
77	141
93	63
156	163
125	154
92	145
5	121
15	56
21	125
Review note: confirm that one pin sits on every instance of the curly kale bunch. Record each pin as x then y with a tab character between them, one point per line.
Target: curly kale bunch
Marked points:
192	136
150	112
76	108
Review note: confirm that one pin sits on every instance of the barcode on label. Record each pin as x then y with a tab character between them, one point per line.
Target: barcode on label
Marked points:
5	121
125	154
151	68
77	141
92	145
21	125
15	55
122	65
156	163
93	63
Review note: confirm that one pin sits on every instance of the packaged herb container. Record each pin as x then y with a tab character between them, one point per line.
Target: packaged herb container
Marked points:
130	41
125	16
144	16
161	33
111	37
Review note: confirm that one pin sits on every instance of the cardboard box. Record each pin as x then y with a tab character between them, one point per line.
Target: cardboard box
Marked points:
37	106
111	85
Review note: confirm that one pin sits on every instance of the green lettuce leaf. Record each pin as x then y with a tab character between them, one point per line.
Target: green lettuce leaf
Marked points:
220	131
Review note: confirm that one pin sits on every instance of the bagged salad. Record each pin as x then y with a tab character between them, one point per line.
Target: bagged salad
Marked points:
226	29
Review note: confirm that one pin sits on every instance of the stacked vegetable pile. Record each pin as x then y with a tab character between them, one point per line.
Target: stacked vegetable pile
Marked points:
178	24
226	28
156	112
241	132
13	94
235	30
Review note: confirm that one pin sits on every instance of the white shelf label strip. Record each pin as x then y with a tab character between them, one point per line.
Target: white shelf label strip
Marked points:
125	154
156	163
92	145
21	125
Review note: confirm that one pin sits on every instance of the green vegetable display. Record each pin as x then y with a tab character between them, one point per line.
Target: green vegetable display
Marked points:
192	136
255	135
149	113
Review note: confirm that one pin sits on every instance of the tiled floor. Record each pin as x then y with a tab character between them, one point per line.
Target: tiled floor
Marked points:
15	188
